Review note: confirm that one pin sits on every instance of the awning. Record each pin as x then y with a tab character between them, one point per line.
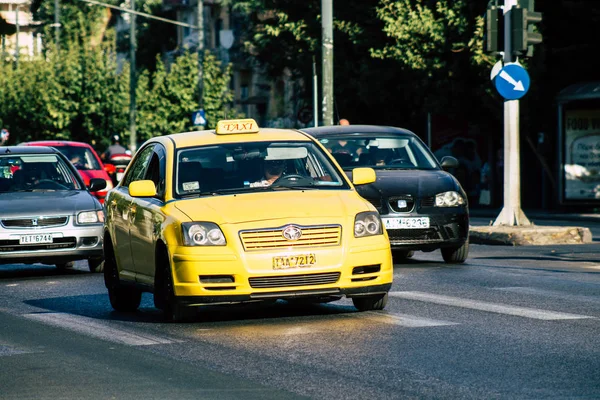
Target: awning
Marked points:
579	91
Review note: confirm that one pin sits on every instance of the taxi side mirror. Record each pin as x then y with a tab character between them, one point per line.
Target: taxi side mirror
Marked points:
449	162
144	188
363	176
96	184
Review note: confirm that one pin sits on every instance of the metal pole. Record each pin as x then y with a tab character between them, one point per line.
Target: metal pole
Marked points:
132	80
315	93
3	48
429	130
327	48
200	53
17	35
57	25
511	214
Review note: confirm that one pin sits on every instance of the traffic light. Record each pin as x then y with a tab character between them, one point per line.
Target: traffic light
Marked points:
494	30
523	32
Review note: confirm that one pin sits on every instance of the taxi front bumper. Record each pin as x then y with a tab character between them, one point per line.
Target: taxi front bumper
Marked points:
220	276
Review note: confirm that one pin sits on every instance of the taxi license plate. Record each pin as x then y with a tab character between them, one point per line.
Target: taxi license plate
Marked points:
296	261
35	239
406	223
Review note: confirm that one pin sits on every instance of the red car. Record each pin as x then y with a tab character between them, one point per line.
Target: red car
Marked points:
84	158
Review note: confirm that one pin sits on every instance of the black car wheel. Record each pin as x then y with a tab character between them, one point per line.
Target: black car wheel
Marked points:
96	264
121	298
456	255
66	265
370	303
401	255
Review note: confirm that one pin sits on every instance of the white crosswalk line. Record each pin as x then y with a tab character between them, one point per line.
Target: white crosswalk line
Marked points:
91	327
6	350
408	321
486	306
549	293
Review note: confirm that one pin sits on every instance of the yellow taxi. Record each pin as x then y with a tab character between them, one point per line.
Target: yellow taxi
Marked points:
242	214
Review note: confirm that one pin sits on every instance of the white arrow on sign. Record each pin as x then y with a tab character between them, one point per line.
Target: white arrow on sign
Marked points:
517	85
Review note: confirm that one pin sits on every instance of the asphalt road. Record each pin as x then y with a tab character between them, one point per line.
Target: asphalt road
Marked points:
510	323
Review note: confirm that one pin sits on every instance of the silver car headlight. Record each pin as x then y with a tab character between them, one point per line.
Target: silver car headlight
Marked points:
449	199
90	217
367	224
202	234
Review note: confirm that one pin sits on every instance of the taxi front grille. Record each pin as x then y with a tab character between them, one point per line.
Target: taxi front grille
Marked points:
264	282
42	222
273	239
7	246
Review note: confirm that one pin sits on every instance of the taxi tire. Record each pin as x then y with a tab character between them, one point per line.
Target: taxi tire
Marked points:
66	265
370	303
456	255
96	264
165	295
124	299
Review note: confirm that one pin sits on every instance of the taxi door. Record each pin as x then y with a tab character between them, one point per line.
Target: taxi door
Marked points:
125	212
147	219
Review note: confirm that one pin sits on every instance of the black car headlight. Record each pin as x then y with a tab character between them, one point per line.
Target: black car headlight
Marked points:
202	234
449	199
367	224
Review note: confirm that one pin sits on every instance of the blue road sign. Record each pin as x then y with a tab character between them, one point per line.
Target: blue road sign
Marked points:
199	118
512	82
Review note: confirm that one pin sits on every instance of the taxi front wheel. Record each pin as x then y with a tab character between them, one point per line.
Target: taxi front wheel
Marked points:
164	295
370	303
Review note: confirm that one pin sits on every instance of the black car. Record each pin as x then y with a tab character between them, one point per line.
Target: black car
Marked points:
422	205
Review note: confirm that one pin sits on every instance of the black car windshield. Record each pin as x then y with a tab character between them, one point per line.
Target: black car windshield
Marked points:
35	172
81	157
258	166
379	152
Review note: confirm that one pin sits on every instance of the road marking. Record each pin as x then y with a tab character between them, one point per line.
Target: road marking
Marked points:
408	321
6	350
91	327
550	293
485	306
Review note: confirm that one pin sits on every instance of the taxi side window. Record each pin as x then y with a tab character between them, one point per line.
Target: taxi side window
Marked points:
154	174
139	166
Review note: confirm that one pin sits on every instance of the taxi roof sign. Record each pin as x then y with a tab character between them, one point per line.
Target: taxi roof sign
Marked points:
233	126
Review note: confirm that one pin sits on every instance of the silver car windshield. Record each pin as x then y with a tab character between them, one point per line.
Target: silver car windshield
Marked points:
246	167
35	172
380	152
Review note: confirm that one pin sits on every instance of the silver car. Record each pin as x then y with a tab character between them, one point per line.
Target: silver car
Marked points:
47	215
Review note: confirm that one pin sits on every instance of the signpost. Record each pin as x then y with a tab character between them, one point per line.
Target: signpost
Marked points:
199	118
512	82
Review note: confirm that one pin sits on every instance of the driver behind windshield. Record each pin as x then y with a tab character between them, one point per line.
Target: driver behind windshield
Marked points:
272	170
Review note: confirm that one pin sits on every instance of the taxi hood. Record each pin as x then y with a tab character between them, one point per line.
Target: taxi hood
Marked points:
249	207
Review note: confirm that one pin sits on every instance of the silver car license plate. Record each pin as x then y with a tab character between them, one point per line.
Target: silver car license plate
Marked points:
35	239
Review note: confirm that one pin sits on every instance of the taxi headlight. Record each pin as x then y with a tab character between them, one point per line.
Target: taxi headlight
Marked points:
90	217
367	224
202	234
449	199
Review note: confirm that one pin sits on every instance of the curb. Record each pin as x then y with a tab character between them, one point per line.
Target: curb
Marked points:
529	235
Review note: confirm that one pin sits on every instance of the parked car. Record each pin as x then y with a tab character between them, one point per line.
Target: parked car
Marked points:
200	218
48	215
84	158
423	207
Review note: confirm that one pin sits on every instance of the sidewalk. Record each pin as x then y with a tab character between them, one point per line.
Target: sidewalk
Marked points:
537	234
537	214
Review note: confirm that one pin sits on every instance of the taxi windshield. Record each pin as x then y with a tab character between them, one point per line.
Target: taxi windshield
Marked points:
35	172
246	167
379	152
